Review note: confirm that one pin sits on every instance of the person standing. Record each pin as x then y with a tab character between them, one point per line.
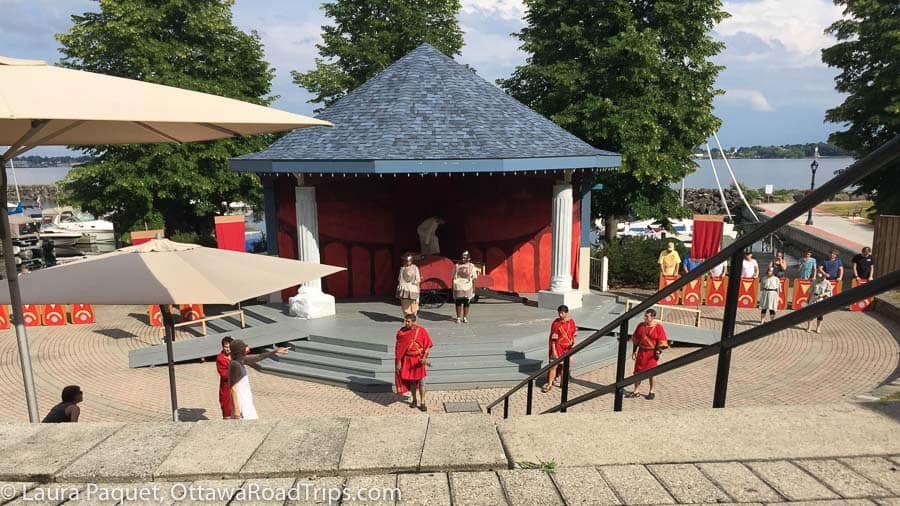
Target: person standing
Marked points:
833	268
669	260
411	360
464	275
821	290
719	270
768	295
408	286
649	339
562	338
749	266
428	239
863	267
807	266
779	265
66	411
222	361
242	407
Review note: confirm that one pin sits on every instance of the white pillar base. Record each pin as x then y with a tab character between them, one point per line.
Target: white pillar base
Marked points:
552	300
311	303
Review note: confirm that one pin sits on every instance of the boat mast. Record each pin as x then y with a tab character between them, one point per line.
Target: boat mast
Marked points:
15	181
733	178
718	184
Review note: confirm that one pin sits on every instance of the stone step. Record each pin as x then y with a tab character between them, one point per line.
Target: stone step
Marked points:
360	382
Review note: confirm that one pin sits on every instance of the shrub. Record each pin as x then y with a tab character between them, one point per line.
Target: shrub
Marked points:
634	261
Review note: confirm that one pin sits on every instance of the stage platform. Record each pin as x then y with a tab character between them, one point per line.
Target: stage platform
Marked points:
502	344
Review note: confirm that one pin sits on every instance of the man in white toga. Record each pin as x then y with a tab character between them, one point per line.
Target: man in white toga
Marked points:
428	240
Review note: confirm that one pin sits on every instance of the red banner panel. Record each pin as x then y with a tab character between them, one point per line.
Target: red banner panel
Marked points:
782	295
707	236
4	317
748	292
31	315
801	293
864	304
190	312
665	281
836	286
690	295
230	232
715	291
155	316
142	236
82	314
53	315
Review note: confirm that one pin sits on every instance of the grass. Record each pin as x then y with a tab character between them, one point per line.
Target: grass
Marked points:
891	398
860	209
543	466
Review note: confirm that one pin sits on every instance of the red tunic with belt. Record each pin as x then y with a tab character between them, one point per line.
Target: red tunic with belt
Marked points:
647	339
222	362
412	344
564	332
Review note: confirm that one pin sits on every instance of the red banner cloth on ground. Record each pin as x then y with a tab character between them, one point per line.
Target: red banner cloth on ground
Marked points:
4	317
801	293
782	295
707	236
31	315
748	292
190	312
230	232
665	281
53	315
82	314
864	304
715	291
690	295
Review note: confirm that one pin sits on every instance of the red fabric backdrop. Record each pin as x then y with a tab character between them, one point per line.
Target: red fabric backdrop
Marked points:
365	224
230	232
707	237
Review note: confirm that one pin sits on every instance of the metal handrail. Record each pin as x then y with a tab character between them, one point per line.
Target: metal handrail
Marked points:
882	156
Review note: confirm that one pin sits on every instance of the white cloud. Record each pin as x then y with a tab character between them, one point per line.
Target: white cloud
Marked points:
505	9
796	28
492	55
752	98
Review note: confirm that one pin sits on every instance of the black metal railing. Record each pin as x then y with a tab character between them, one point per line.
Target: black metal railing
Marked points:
876	160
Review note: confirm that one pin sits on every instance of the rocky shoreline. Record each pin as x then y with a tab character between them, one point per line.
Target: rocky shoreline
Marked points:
47	192
708	200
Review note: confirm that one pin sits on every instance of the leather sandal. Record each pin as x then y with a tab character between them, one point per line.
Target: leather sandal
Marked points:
547	388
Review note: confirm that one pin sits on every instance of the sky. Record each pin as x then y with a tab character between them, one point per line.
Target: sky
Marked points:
776	87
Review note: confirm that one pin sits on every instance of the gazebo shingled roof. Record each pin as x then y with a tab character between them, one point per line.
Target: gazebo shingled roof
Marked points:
426	113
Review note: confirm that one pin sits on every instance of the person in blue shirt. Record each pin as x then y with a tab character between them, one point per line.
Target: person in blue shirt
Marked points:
807	266
833	268
689	264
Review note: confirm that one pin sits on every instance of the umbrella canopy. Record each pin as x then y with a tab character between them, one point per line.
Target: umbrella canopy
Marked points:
84	108
165	272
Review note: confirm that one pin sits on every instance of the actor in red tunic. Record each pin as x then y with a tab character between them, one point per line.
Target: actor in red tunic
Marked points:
562	338
411	354
222	361
649	340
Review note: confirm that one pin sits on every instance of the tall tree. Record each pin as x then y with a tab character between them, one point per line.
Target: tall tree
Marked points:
631	76
192	45
369	35
868	54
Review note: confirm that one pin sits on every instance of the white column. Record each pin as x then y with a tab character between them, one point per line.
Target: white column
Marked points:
561	291
310	301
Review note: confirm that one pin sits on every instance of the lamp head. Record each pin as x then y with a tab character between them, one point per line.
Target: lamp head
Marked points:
814	165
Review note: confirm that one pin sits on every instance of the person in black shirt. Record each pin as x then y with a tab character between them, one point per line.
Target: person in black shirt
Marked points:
67	410
863	270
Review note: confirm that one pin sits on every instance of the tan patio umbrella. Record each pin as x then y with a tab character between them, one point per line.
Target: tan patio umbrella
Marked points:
164	272
42	105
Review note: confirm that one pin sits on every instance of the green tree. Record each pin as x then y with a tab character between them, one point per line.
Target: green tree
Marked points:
369	35
868	55
192	45
631	76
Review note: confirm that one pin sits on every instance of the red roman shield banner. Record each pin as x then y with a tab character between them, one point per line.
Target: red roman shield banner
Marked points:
864	304
155	316
31	315
53	315
665	281
715	291
4	317
836	286
801	293
190	312
782	295
748	292
690	296
82	313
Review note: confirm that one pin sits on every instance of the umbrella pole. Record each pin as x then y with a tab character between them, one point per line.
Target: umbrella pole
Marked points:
169	325
15	299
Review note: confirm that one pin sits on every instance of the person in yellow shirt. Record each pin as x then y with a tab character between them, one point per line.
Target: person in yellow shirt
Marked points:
669	260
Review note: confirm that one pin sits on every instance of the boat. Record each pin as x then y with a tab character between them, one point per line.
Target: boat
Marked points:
682	230
91	229
60	236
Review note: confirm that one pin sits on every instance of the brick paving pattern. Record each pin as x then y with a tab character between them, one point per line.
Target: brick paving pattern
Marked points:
854	354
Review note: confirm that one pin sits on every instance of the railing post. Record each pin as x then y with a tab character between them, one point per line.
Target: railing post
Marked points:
620	365
565	383
728	321
506	407
530	397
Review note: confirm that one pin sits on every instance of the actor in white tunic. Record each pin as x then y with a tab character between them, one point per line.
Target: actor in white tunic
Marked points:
428	240
820	290
769	289
242	407
464	275
408	286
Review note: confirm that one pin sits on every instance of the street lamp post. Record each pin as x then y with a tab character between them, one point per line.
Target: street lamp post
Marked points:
812	186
